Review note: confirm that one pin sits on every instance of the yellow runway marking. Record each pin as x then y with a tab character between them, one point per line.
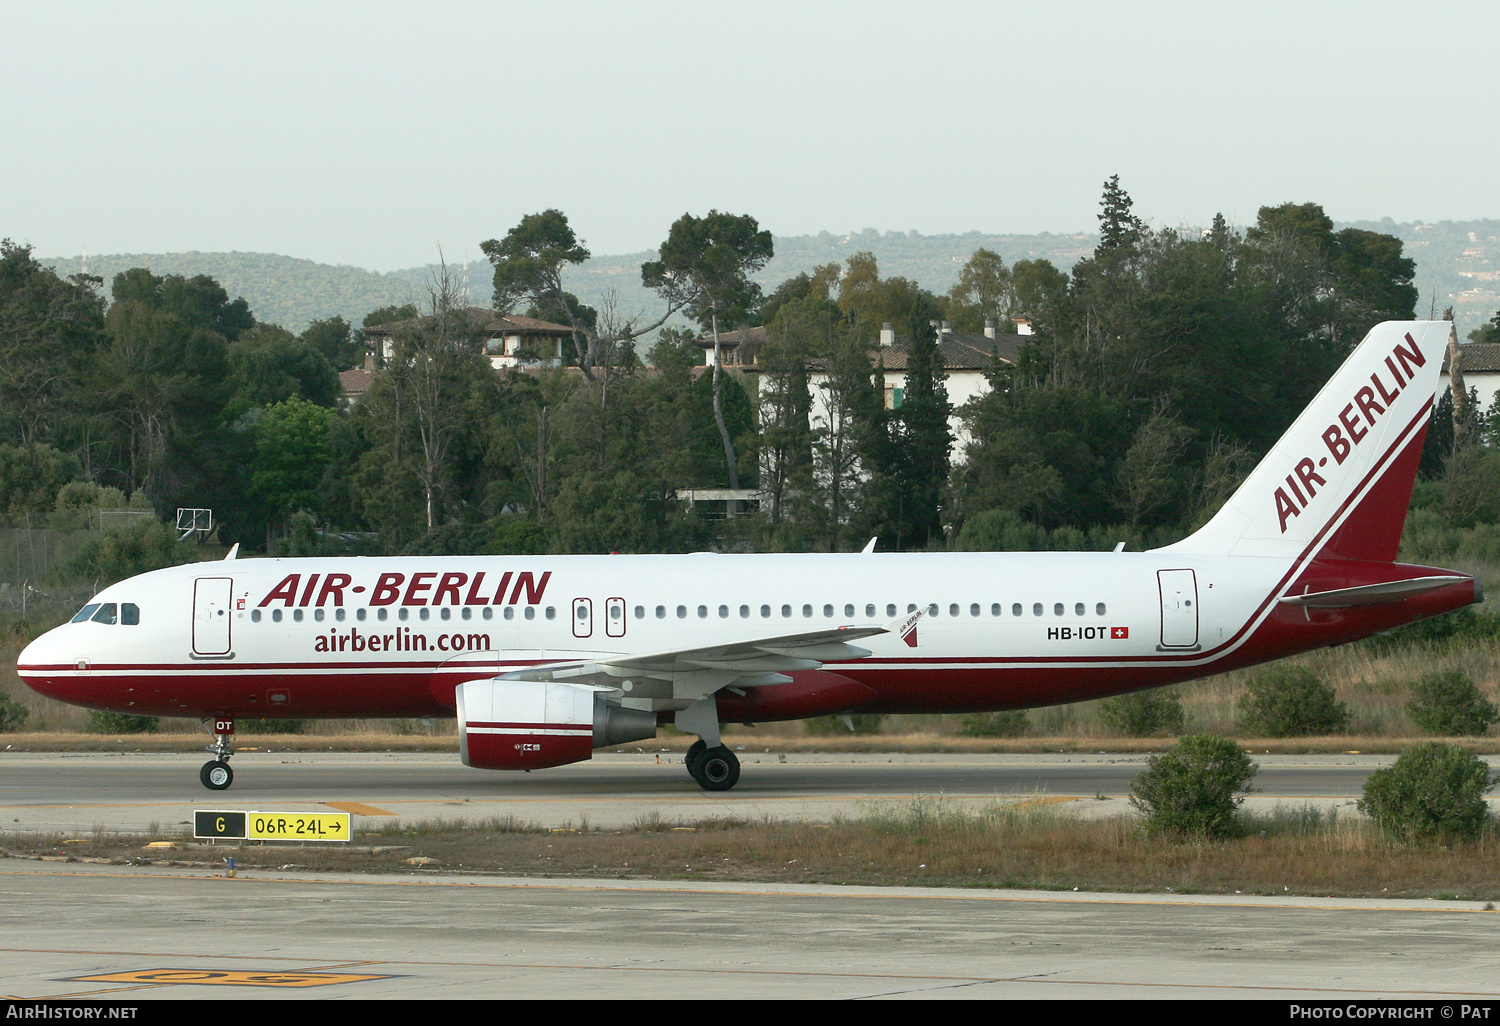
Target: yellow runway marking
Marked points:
223	977
358	808
152	978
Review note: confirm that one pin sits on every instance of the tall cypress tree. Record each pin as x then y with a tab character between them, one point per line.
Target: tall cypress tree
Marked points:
927	441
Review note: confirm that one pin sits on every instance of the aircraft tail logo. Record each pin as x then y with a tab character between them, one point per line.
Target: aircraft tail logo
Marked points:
1340	479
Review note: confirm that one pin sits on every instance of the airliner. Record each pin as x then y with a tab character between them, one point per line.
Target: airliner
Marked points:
544	659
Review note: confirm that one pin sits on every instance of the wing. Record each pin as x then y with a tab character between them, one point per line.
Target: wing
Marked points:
688	674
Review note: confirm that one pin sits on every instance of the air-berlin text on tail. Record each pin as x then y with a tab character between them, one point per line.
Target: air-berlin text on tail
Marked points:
1351	427
423	588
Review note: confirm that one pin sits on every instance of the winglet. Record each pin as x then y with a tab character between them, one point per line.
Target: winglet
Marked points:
869	547
905	628
234	550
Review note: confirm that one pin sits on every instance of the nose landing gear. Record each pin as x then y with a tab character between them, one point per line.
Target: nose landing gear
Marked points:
216	774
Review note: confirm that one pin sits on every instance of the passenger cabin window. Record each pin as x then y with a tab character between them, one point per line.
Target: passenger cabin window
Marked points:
765	612
1015	610
1099	609
828	610
870	609
890	609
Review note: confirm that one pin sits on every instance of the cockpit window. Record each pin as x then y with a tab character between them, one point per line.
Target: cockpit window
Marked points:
130	614
107	613
85	613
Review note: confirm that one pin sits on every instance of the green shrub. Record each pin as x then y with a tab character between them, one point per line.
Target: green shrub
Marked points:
1433	792
1010	723
1470	625
142	545
1450	705
121	723
832	726
1290	701
1143	714
1195	789
12	715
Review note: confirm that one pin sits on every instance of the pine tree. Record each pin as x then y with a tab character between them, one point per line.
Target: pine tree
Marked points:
1119	229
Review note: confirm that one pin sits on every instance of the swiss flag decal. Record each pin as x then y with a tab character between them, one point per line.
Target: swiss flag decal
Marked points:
1119	632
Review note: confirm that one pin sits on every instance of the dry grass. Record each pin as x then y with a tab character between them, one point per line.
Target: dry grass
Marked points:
927	842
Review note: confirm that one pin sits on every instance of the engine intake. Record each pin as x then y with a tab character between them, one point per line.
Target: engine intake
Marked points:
524	725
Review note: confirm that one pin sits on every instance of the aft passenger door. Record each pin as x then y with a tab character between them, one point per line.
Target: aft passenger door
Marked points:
1179	608
211	616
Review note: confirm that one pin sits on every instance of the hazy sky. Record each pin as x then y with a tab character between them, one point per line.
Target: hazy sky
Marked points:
371	133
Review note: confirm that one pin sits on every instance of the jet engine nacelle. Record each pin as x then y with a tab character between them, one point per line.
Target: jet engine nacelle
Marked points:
524	725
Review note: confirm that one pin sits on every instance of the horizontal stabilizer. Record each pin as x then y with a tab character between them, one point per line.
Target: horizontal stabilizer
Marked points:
1373	594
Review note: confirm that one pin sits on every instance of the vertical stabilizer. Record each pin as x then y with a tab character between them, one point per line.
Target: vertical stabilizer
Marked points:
1340	479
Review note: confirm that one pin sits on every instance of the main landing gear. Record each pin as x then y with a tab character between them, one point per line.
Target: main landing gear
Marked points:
715	769
216	774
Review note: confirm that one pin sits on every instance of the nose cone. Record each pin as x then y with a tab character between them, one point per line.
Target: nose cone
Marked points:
44	665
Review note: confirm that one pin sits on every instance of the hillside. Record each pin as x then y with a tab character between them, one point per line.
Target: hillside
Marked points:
1458	264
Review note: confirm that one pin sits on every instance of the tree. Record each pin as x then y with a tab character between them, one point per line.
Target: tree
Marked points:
1433	792
1449	704
1119	229
336	340
926	440
704	268
291	454
529	265
164	375
1291	701
49	330
1195	789
268	365
983	293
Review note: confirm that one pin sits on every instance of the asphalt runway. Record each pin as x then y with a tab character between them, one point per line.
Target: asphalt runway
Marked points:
136	935
75	931
133	792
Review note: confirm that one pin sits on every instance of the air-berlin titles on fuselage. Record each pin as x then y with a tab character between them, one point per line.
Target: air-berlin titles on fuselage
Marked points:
424	588
1344	434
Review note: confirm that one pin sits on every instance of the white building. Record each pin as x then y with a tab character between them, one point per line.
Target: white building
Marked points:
967	358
